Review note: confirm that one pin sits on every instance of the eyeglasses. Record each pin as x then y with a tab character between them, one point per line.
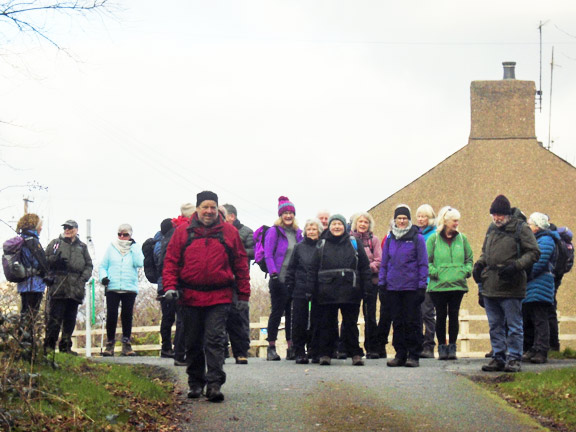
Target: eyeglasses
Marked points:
123	235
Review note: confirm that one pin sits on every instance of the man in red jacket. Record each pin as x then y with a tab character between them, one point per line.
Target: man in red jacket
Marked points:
204	261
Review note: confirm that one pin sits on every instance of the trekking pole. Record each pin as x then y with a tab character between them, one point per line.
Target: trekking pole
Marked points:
366	326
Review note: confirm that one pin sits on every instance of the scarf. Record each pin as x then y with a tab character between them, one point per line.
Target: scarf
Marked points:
398	232
123	246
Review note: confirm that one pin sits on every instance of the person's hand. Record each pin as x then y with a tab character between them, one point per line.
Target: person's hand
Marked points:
477	272
274	277
481	300
105	281
308	297
242	306
172	295
48	280
507	273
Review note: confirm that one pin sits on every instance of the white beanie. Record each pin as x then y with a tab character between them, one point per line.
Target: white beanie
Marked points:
540	220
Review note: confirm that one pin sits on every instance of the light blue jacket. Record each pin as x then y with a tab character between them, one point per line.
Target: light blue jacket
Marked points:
122	270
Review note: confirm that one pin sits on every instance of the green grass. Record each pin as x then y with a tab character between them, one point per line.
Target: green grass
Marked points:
83	395
551	394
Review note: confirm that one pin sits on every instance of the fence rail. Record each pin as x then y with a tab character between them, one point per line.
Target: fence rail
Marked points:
465	338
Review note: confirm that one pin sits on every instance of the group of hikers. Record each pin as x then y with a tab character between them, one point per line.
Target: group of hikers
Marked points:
418	272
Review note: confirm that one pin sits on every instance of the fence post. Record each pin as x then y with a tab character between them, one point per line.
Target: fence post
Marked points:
464	331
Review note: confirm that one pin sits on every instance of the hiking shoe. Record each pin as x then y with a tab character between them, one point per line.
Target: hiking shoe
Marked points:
195	392
452	352
443	352
382	353
167	353
357	361
494	366
513	366
290	353
301	360
315	360
372	356
489	354
527	356
427	353
109	350
180	362
127	350
538	358
213	393
325	361
271	354
412	363
241	360
395	362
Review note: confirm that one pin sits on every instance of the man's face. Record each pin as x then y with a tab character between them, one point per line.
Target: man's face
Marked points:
207	212
230	218
323	217
500	219
70	232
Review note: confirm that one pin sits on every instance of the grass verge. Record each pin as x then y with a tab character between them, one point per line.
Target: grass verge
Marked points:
82	395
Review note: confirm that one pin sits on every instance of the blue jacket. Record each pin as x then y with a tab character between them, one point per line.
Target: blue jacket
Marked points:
121	270
275	247
404	262
540	288
34	283
427	232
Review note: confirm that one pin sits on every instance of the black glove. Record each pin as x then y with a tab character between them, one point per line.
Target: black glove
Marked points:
383	287
507	273
274	276
48	280
105	281
308	297
480	300
172	295
242	306
477	272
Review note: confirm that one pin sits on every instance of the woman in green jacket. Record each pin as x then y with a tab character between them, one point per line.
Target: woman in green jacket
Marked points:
450	264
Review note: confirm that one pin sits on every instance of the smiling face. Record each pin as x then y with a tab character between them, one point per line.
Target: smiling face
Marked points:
207	212
312	232
451	225
70	232
337	228
287	218
362	224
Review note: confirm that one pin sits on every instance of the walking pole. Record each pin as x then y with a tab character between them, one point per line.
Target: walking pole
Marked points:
366	326
88	321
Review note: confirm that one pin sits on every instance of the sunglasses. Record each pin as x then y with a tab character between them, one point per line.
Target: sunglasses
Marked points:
68	227
123	235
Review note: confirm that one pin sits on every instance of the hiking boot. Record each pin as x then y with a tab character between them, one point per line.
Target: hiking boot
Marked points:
180	362
513	366
290	353
301	360
325	361
489	354
527	356
169	353
412	363
442	352
109	350
382	353
213	393
65	346
271	354
427	353
241	360
452	352
357	361
494	366
372	356
127	350
395	362
195	392
538	358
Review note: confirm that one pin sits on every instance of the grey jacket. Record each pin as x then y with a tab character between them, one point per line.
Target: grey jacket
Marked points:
247	237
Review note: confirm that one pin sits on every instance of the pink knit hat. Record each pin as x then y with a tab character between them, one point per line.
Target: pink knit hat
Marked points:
285	205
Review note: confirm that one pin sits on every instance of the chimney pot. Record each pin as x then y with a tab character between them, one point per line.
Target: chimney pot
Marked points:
509	70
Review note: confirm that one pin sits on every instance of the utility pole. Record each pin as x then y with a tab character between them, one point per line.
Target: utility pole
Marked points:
26	201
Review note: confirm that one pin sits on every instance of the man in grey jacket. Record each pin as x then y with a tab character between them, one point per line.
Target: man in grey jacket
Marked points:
238	324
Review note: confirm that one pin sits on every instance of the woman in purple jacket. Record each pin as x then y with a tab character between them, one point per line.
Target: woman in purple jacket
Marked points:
403	276
278	247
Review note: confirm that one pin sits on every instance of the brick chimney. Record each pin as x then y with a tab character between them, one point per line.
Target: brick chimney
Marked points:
503	109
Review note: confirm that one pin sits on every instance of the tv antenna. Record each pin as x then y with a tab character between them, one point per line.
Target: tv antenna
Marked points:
539	91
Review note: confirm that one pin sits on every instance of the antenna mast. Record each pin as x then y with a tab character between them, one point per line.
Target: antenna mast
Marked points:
550	110
539	91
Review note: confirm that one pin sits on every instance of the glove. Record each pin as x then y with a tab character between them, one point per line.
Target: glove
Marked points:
105	281
48	280
172	296
481	300
274	276
308	297
477	272
507	273
242	306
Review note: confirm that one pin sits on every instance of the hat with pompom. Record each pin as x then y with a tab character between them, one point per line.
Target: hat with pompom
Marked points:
284	205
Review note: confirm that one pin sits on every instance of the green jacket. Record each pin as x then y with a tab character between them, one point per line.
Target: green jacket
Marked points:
70	264
448	265
501	248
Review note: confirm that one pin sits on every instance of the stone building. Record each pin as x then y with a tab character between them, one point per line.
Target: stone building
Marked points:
503	156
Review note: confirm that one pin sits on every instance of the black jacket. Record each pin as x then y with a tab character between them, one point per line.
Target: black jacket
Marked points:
297	274
339	272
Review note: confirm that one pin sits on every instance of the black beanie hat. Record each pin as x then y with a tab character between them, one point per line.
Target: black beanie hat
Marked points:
206	196
166	226
402	210
501	205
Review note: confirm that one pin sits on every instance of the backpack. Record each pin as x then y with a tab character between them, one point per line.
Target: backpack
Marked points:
150	270
259	243
219	235
564	252
14	268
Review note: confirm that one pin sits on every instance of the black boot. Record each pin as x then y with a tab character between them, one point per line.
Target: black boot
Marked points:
452	352
271	354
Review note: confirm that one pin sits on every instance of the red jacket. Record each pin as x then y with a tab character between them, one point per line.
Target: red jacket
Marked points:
207	274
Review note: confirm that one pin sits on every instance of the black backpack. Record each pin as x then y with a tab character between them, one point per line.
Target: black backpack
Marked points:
564	253
150	269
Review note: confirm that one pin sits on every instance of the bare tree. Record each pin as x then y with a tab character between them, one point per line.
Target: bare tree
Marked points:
31	16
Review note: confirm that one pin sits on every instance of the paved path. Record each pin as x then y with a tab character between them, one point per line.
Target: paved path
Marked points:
282	396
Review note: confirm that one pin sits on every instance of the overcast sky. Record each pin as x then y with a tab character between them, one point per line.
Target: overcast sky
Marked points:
335	104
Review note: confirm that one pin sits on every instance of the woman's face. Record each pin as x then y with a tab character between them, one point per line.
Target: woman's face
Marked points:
451	225
312	232
402	221
362	224
422	220
287	218
337	228
123	235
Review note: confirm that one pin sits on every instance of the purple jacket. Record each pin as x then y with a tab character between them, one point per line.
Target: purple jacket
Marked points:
404	262
275	247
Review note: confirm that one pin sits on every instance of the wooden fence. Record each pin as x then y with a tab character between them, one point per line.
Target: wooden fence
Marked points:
465	337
